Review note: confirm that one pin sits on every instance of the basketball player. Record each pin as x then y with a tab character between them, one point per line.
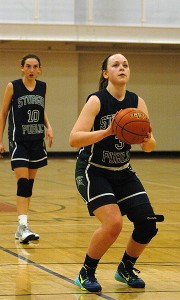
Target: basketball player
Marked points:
105	179
24	101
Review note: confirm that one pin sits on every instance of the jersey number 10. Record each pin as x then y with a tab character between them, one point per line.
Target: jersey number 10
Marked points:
33	116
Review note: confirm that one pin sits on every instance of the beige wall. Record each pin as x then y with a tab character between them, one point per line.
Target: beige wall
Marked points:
72	75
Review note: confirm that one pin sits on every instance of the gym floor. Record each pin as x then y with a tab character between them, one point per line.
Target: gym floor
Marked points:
46	269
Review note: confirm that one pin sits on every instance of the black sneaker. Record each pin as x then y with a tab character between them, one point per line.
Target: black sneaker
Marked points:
126	275
87	281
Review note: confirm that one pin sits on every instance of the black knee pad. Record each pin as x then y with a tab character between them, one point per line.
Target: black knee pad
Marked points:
144	220
31	182
23	187
144	232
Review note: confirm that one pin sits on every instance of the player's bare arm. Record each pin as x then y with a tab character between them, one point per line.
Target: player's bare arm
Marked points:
149	143
81	134
49	131
4	112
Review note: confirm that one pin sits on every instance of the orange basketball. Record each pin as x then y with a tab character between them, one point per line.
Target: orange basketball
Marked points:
131	125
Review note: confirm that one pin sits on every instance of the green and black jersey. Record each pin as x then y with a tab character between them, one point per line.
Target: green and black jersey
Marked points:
26	115
109	152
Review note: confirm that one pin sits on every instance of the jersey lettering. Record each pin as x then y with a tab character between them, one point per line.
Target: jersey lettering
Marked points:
32	129
30	99
115	157
105	121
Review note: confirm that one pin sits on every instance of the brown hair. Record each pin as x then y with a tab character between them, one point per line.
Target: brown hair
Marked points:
30	56
103	82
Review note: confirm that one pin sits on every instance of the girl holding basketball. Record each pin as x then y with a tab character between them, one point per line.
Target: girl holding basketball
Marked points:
24	101
105	179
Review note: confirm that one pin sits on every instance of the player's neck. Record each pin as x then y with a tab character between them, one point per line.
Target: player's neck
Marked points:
29	84
117	92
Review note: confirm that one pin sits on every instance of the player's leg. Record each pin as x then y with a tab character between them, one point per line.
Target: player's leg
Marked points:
37	159
98	195
134	202
100	242
26	158
32	175
144	231
108	231
20	164
22	203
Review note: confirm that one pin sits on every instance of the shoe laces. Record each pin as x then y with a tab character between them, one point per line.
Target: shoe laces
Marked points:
131	273
26	229
89	274
23	227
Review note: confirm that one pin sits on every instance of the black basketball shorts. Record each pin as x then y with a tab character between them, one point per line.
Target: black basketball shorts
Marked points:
100	187
28	154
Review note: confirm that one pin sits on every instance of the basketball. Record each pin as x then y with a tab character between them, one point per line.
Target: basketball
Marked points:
131	125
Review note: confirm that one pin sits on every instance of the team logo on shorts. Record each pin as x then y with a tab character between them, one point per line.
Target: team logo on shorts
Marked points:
79	180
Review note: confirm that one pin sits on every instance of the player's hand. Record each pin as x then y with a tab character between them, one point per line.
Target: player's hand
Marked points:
109	130
2	149
146	139
49	136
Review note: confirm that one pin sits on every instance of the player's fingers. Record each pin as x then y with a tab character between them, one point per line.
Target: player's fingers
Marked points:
50	141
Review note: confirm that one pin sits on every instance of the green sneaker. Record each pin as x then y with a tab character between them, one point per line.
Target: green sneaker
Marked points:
126	275
87	281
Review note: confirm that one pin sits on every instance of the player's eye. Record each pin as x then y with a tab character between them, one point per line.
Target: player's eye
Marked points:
115	65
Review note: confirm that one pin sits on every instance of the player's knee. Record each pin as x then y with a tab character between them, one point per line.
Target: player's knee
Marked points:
115	228
143	233
23	187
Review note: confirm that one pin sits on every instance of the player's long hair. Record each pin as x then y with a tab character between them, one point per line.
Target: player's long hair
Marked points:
103	82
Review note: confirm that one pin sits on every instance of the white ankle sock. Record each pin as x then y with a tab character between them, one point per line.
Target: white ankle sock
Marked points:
22	219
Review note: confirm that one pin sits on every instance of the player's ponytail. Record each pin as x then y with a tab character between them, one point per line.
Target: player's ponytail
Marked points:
103	82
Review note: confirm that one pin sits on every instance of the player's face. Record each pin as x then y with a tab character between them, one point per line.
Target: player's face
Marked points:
31	68
118	71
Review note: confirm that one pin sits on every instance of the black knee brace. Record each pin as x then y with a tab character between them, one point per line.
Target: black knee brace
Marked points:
144	232
23	187
144	220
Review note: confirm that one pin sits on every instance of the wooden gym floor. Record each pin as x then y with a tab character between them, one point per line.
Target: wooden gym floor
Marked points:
45	270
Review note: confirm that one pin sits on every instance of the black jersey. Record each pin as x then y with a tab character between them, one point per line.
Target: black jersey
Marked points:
26	115
109	152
